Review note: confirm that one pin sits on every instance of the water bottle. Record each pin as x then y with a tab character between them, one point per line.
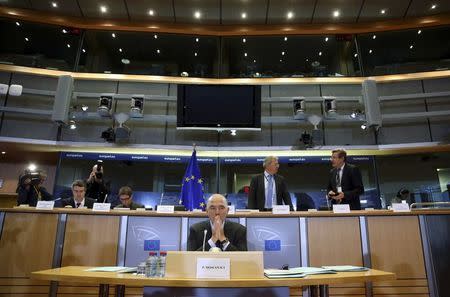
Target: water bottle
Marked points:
141	269
150	265
162	264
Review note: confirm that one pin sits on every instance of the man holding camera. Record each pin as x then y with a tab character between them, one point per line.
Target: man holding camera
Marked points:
96	187
30	189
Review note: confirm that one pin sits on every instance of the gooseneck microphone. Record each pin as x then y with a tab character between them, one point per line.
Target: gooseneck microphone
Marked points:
204	239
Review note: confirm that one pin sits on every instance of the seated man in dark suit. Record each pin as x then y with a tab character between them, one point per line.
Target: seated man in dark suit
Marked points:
126	199
345	181
269	188
222	234
78	199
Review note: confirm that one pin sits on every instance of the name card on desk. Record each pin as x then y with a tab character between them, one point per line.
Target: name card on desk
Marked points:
400	207
231	209
47	205
165	209
213	268
341	208
105	207
280	209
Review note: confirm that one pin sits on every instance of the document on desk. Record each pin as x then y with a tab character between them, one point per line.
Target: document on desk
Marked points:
295	272
343	268
121	269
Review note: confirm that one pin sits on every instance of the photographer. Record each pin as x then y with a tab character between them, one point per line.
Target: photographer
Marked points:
30	189
96	186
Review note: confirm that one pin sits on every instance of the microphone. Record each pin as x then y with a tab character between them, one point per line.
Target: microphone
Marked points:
204	239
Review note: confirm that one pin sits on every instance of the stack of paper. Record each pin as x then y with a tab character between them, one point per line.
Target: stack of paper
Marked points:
344	268
121	269
295	272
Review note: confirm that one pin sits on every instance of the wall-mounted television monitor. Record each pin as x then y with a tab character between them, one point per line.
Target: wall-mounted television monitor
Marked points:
219	107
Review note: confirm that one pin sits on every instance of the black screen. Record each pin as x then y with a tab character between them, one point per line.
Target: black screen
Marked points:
219	106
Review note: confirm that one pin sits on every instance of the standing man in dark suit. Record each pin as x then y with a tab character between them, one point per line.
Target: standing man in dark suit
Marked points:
269	188
345	181
78	199
217	232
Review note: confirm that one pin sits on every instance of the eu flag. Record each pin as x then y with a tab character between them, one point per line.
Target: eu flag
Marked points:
192	186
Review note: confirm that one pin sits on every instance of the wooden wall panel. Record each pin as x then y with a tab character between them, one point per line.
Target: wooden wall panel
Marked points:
396	246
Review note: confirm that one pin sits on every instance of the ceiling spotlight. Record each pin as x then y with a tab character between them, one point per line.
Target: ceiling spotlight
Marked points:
103	9
374	36
244	40
104	106
290	15
158	51
254	61
64	31
299	106
285	38
282	53
196	39
197	14
281	60
125	61
84	108
68	45
195	54
330	105
32	167
184	74
54	4
3	153
72	125
411	46
120	50
320	53
244	15
364	126
83	50
355	55
419	31
257	74
155	36
151	12
370	51
433	6
233	132
113	35
245	54
17	24
326	39
336	13
26	39
383	11
137	106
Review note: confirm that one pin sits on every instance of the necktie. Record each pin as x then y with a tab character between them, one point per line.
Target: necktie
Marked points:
78	204
269	197
338	177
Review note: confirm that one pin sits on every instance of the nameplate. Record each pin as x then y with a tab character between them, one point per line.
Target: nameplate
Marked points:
165	209
105	207
213	268
369	208
231	209
312	210
47	205
341	208
400	207
140	209
280	209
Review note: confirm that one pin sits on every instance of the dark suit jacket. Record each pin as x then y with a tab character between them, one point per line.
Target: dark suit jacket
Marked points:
257	194
351	184
30	196
234	232
88	202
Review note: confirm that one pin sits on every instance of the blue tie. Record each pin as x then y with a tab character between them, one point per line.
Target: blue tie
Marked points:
269	191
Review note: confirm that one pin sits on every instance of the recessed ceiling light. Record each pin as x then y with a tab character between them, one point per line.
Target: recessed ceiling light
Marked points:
103	9
26	39
155	36
254	61
158	51
290	15
64	31
120	49
151	12
307	59
3	153
320	53
68	45
374	37
54	4
281	60
17	24
355	55
336	13
197	14
433	6
419	32
196	39
244	40
282	53
113	35
83	50
411	46
383	11
285	38
245	54
326	39
244	15
370	51
195	54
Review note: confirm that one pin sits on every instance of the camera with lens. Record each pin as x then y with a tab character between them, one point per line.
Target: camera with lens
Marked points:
34	177
99	173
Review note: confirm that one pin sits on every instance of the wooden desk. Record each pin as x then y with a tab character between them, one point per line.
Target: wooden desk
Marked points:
319	283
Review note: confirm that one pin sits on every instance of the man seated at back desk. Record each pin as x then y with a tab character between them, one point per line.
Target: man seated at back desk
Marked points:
78	200
126	199
220	233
